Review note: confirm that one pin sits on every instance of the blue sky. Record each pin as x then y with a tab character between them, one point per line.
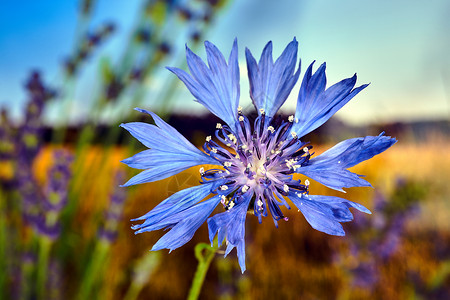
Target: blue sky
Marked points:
401	47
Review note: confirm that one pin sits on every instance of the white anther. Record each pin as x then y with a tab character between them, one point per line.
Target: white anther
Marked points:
237	155
296	120
228	172
271	129
299	195
291	118
224	199
227	164
286	188
241	118
219	126
228	145
260	203
307	182
224	187
249	166
244	146
239	109
214	150
232	138
272	151
245	188
230	206
208	138
306	149
202	171
262	169
262	111
295	167
294	134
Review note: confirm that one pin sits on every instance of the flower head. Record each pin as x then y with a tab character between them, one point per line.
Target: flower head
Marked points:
255	160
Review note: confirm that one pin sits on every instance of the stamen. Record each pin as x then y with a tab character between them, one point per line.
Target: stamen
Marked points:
241	118
260	204
294	134
286	188
230	206
305	149
262	111
208	138
291	118
239	109
227	164
245	188
307	182
214	150
224	187
271	129
224	199
232	138
219	126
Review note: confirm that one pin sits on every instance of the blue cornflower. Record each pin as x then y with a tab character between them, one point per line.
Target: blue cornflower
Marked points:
255	164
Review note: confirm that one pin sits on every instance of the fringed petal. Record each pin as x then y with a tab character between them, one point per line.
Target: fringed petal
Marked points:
315	105
216	86
330	168
271	83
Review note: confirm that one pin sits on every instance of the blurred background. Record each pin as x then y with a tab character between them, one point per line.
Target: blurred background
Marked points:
72	71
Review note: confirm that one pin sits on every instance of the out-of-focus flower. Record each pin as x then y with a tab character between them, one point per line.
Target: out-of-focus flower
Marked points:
255	162
55	194
108	231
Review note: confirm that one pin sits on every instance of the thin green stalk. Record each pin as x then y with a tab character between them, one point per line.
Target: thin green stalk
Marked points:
204	261
3	243
44	251
143	270
93	270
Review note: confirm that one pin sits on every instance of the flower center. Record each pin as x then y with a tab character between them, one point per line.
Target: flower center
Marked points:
258	160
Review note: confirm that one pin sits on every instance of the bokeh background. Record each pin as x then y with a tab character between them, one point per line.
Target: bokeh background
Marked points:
72	71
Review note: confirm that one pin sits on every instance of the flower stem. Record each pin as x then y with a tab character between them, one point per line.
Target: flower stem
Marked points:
204	260
93	270
44	251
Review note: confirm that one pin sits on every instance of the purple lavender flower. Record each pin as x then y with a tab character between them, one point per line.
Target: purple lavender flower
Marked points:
255	164
55	195
108	231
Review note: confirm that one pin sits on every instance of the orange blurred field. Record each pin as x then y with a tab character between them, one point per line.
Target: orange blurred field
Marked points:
291	262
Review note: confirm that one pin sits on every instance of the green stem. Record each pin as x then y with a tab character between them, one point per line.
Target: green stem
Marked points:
3	243
44	251
204	260
93	270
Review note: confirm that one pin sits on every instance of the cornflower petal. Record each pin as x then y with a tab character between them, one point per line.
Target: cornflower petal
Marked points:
329	168
170	152
315	105
325	213
184	224
231	225
271	83
217	86
174	204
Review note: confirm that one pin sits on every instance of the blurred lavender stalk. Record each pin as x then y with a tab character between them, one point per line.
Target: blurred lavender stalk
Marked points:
143	270
107	234
48	224
373	249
